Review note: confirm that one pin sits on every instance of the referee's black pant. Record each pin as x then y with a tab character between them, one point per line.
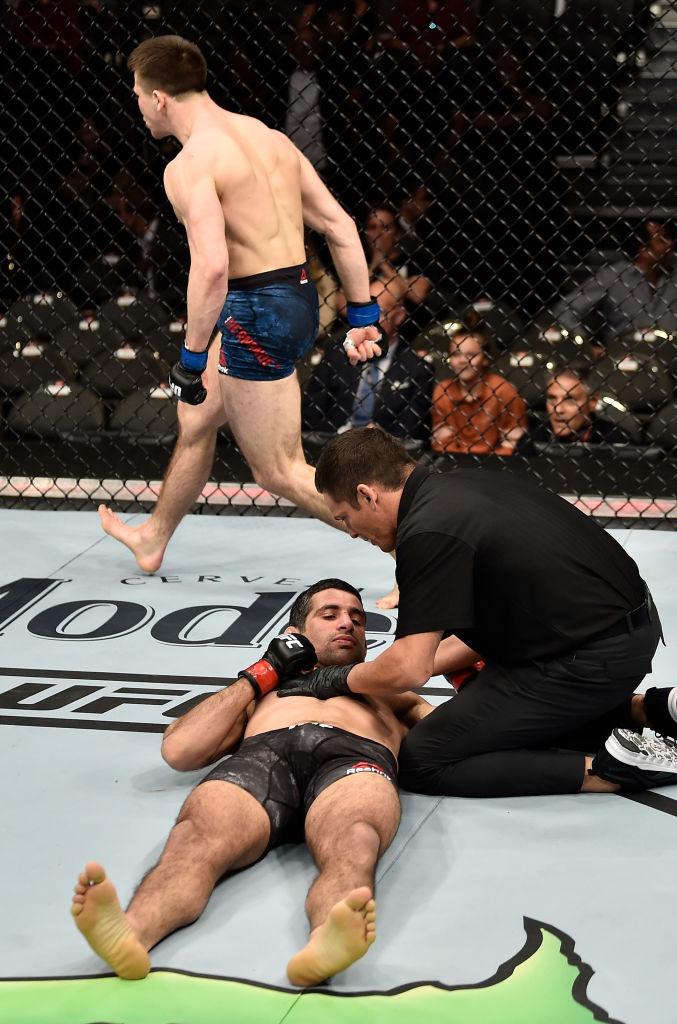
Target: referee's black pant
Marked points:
523	730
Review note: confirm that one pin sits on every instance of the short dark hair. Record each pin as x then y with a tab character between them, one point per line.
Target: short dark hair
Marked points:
301	606
581	369
467	327
169	63
365	455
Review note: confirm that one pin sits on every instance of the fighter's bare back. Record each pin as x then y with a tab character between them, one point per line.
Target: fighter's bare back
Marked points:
256	173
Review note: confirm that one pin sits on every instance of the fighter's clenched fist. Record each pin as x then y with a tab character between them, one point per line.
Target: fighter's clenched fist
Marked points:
364	340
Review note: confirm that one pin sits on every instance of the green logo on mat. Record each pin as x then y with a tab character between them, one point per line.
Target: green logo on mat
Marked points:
545	983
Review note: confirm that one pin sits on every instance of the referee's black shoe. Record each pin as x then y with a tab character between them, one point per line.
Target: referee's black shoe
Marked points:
635	761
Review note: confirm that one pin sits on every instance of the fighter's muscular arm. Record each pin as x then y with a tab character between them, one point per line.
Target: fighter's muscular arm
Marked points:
412	660
453	655
211	729
407	663
191	190
324	214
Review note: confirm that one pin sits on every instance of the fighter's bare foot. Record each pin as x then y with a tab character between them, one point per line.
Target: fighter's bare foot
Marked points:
147	549
102	921
389	600
339	941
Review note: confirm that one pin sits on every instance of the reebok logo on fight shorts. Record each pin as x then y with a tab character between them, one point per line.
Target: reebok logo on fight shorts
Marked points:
367	766
303	277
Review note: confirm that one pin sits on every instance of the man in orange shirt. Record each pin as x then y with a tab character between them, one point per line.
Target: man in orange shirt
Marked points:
475	410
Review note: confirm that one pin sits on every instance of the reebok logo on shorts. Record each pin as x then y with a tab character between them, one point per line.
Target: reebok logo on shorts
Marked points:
303	278
367	766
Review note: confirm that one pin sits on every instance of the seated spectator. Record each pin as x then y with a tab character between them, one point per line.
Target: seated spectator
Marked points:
136	210
571	400
475	411
393	392
630	294
387	261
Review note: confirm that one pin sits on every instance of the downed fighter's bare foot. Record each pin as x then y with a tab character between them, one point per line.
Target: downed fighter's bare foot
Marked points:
389	600
102	921
339	941
147	550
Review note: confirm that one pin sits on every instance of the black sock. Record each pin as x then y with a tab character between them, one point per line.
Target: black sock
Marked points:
660	708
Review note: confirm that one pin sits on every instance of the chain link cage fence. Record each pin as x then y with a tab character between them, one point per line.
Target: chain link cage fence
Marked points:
512	167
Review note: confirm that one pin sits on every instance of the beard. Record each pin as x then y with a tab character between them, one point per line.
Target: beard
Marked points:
341	655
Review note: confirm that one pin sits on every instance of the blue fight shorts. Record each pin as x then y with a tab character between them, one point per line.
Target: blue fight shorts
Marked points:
269	322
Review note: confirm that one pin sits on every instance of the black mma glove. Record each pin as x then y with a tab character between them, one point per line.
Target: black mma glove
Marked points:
367	314
286	655
185	377
323	683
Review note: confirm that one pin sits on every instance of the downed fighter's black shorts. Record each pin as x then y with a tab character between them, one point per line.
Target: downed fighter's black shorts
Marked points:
286	769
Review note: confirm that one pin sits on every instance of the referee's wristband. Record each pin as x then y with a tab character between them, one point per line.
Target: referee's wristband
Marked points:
194	361
363	314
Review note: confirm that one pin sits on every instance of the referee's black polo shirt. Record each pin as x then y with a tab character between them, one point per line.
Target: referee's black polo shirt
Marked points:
514	571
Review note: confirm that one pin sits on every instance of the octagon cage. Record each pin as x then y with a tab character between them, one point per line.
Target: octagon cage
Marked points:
511	166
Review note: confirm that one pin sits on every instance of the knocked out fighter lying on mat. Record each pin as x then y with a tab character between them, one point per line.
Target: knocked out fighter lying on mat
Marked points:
300	767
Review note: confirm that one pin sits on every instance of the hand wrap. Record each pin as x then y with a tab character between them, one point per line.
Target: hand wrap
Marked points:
323	683
363	314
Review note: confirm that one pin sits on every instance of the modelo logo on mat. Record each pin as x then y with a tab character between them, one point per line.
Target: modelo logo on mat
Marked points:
108	662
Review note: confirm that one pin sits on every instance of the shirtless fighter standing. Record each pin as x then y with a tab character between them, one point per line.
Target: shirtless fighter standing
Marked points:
243	193
325	770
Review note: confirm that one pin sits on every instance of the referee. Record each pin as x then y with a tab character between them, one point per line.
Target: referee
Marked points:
492	566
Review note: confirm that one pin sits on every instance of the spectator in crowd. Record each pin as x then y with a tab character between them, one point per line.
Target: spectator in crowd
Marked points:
387	261
304	123
136	210
393	392
630	294
571	400
475	411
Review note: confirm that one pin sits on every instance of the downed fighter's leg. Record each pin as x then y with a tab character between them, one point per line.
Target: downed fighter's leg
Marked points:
221	827
349	826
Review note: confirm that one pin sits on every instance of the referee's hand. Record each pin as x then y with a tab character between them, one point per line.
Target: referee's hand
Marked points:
322	683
